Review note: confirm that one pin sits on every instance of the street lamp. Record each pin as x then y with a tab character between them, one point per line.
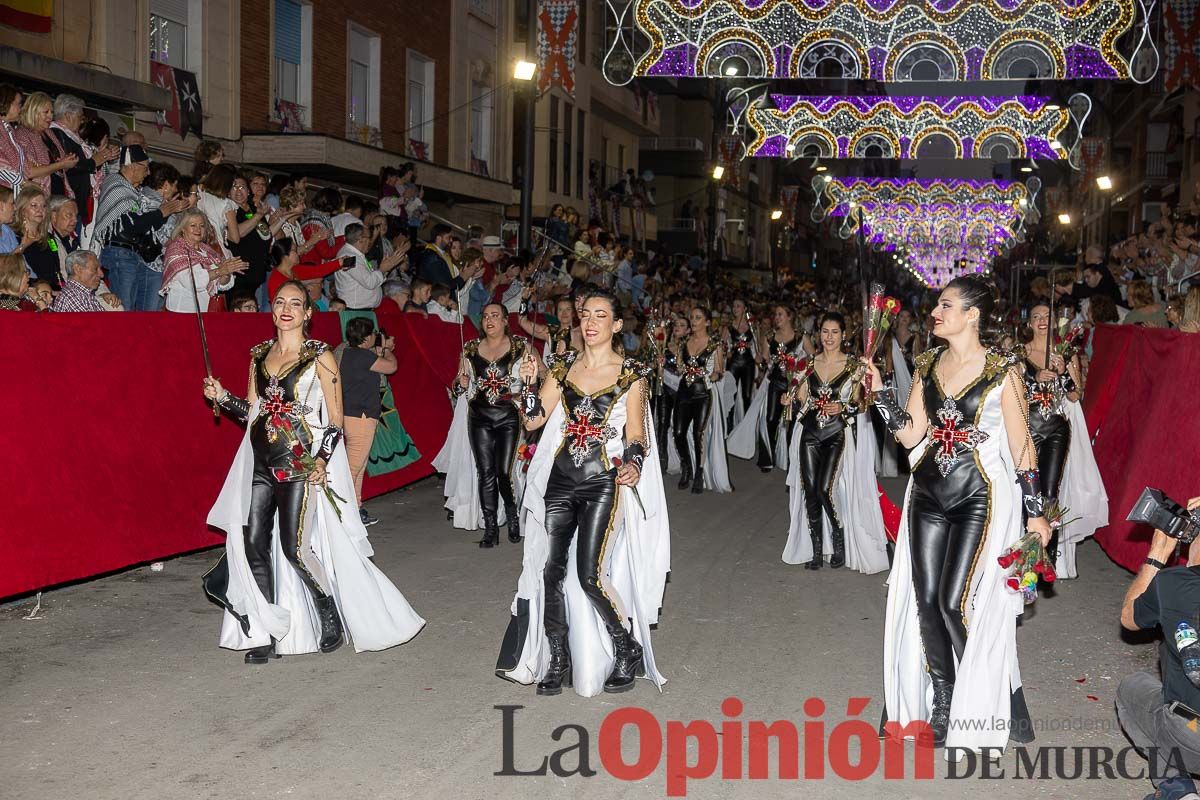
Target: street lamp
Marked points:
1064	218
523	74
776	215
1105	183
718	172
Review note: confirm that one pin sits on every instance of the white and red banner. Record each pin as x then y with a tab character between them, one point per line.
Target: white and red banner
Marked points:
789	198
1181	44
1092	157
727	149
557	34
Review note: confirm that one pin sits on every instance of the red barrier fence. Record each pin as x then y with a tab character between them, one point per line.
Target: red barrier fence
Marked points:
1141	406
112	458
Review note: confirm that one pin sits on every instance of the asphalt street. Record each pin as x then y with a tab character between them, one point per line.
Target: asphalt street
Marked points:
117	689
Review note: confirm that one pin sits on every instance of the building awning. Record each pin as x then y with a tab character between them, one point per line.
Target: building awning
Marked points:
357	166
96	87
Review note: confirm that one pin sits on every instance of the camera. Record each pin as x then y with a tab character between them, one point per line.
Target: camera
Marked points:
1157	510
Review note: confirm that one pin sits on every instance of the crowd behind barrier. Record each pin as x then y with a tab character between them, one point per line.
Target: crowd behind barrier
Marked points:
113	458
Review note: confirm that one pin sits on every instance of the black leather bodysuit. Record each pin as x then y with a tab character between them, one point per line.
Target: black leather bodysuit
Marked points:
741	364
949	507
494	427
777	378
693	404
581	494
822	442
279	427
664	408
1049	428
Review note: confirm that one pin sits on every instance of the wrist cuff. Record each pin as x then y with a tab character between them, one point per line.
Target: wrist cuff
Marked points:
1031	496
329	442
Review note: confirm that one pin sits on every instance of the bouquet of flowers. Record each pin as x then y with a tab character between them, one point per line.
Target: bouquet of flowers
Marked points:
302	462
877	318
1028	561
796	368
525	455
1070	339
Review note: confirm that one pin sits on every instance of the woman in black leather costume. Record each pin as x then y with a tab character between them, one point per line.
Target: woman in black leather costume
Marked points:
597	388
277	368
964	397
785	341
493	422
664	403
700	360
827	411
741	362
1048	388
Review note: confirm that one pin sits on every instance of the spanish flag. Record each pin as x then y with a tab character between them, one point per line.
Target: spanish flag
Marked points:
35	16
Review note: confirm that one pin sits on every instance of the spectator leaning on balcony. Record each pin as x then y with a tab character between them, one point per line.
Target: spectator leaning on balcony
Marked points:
63	140
359	284
217	205
125	224
1145	311
352	211
79	292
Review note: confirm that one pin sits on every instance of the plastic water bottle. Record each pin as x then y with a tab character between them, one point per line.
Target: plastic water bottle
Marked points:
1187	642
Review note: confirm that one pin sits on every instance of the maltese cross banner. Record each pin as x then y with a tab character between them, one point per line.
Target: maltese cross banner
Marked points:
558	31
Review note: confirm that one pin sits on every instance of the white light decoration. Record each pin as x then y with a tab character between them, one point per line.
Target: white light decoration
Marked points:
1000	128
883	40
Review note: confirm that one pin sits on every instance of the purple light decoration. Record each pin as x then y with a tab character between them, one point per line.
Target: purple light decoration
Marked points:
906	103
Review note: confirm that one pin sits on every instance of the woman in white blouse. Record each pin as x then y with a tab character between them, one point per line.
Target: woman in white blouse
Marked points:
216	204
190	245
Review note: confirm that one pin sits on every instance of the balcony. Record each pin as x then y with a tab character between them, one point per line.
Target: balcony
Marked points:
1157	169
679	224
680	156
671	144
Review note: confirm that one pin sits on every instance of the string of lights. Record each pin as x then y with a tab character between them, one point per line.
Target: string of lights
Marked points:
888	40
896	127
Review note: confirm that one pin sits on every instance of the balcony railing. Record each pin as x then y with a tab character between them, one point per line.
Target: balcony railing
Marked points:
678	224
1156	165
671	143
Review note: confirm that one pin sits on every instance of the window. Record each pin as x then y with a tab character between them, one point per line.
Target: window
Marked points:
481	127
552	175
566	150
293	55
579	129
363	90
170	21
420	105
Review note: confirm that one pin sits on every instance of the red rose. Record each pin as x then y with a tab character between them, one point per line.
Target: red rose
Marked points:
1049	575
1006	560
1014	584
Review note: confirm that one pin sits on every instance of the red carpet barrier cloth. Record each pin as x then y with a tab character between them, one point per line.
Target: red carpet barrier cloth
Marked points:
1141	398
111	456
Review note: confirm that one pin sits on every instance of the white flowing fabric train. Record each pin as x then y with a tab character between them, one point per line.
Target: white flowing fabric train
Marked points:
456	460
638	561
742	441
857	500
716	460
375	613
1081	493
988	673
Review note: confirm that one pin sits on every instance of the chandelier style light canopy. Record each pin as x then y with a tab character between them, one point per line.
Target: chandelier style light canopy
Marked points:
883	40
897	127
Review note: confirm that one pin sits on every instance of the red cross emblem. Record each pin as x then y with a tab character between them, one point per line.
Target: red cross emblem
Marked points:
277	410
494	384
952	433
555	45
694	372
824	397
1182	39
584	433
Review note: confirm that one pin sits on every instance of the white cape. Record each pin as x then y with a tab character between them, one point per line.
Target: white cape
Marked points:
1081	493
337	551
742	441
638	560
716	461
857	500
988	674
456	460
889	450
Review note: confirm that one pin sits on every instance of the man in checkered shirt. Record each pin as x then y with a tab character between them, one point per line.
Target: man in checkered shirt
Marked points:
79	291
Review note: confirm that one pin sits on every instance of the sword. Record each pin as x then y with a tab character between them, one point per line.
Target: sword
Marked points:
203	339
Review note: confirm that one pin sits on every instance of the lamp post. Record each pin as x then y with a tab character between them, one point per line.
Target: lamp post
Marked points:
523	74
1105	184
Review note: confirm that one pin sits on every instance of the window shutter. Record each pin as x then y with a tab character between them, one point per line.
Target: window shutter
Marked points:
287	31
174	10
